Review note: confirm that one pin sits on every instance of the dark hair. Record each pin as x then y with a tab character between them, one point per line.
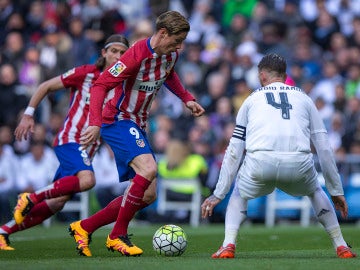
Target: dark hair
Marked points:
273	62
116	38
173	22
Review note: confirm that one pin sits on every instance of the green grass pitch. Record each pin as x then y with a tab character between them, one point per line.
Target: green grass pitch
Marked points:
282	247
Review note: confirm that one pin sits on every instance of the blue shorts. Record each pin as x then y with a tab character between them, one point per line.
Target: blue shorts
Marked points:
127	141
72	160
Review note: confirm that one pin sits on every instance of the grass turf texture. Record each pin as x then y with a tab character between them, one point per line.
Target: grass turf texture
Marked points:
282	247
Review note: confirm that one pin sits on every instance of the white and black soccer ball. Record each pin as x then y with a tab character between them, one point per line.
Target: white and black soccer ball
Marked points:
170	240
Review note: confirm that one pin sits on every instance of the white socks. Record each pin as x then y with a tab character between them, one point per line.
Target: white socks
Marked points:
326	215
235	216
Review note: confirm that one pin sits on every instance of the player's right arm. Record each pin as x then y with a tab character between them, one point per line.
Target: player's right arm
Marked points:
230	165
26	125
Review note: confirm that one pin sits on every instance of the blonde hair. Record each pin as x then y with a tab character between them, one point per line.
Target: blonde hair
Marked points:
173	22
176	152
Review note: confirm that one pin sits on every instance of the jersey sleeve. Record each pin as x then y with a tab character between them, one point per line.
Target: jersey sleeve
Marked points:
72	77
233	155
109	79
325	154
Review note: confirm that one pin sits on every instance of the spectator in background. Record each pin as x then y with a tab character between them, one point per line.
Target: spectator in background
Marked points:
13	51
31	74
180	163
325	86
339	103
37	167
6	9
16	23
34	19
336	131
244	65
352	84
323	27
54	50
236	30
12	95
31	71
83	49
223	114
352	120
142	29
216	85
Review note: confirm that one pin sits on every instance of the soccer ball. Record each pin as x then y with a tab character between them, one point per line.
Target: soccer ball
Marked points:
169	240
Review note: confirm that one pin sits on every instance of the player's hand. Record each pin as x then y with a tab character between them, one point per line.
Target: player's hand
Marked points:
195	108
208	205
340	205
91	134
25	128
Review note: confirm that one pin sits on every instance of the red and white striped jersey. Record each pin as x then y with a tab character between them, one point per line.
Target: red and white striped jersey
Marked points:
78	80
137	77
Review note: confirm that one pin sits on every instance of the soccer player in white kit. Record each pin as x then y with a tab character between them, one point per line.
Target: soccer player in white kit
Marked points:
275	126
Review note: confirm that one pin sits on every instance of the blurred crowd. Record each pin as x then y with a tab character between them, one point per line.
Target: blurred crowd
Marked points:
41	39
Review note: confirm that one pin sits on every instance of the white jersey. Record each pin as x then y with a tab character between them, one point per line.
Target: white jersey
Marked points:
280	118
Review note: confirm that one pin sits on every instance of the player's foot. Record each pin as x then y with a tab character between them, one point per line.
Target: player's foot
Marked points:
4	242
123	245
345	252
81	237
22	208
227	252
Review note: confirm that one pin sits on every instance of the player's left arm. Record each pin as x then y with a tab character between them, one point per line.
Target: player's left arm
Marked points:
320	140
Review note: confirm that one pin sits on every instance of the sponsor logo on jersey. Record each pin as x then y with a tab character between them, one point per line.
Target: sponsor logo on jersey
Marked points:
68	73
150	86
140	143
116	69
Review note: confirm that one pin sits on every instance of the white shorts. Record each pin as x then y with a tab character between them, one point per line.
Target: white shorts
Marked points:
262	171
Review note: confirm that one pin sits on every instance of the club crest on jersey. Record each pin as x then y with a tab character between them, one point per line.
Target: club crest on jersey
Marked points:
86	161
116	69
140	143
168	67
68	73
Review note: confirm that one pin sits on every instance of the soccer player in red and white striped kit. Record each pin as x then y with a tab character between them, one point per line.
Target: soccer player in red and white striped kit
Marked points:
137	76
75	173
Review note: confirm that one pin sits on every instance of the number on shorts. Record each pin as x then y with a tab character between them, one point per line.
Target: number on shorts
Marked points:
135	132
284	104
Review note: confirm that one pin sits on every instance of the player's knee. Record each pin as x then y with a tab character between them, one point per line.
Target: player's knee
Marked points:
87	181
57	204
149	197
151	171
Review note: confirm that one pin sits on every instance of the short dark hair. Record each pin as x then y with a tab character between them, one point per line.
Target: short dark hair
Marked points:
273	62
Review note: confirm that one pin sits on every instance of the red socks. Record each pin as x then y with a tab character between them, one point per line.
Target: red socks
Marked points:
37	215
103	217
64	186
132	202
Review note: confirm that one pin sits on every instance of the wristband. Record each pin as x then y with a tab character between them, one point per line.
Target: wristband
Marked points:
29	111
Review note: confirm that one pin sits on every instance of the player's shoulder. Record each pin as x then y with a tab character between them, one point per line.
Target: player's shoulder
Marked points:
84	69
140	47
